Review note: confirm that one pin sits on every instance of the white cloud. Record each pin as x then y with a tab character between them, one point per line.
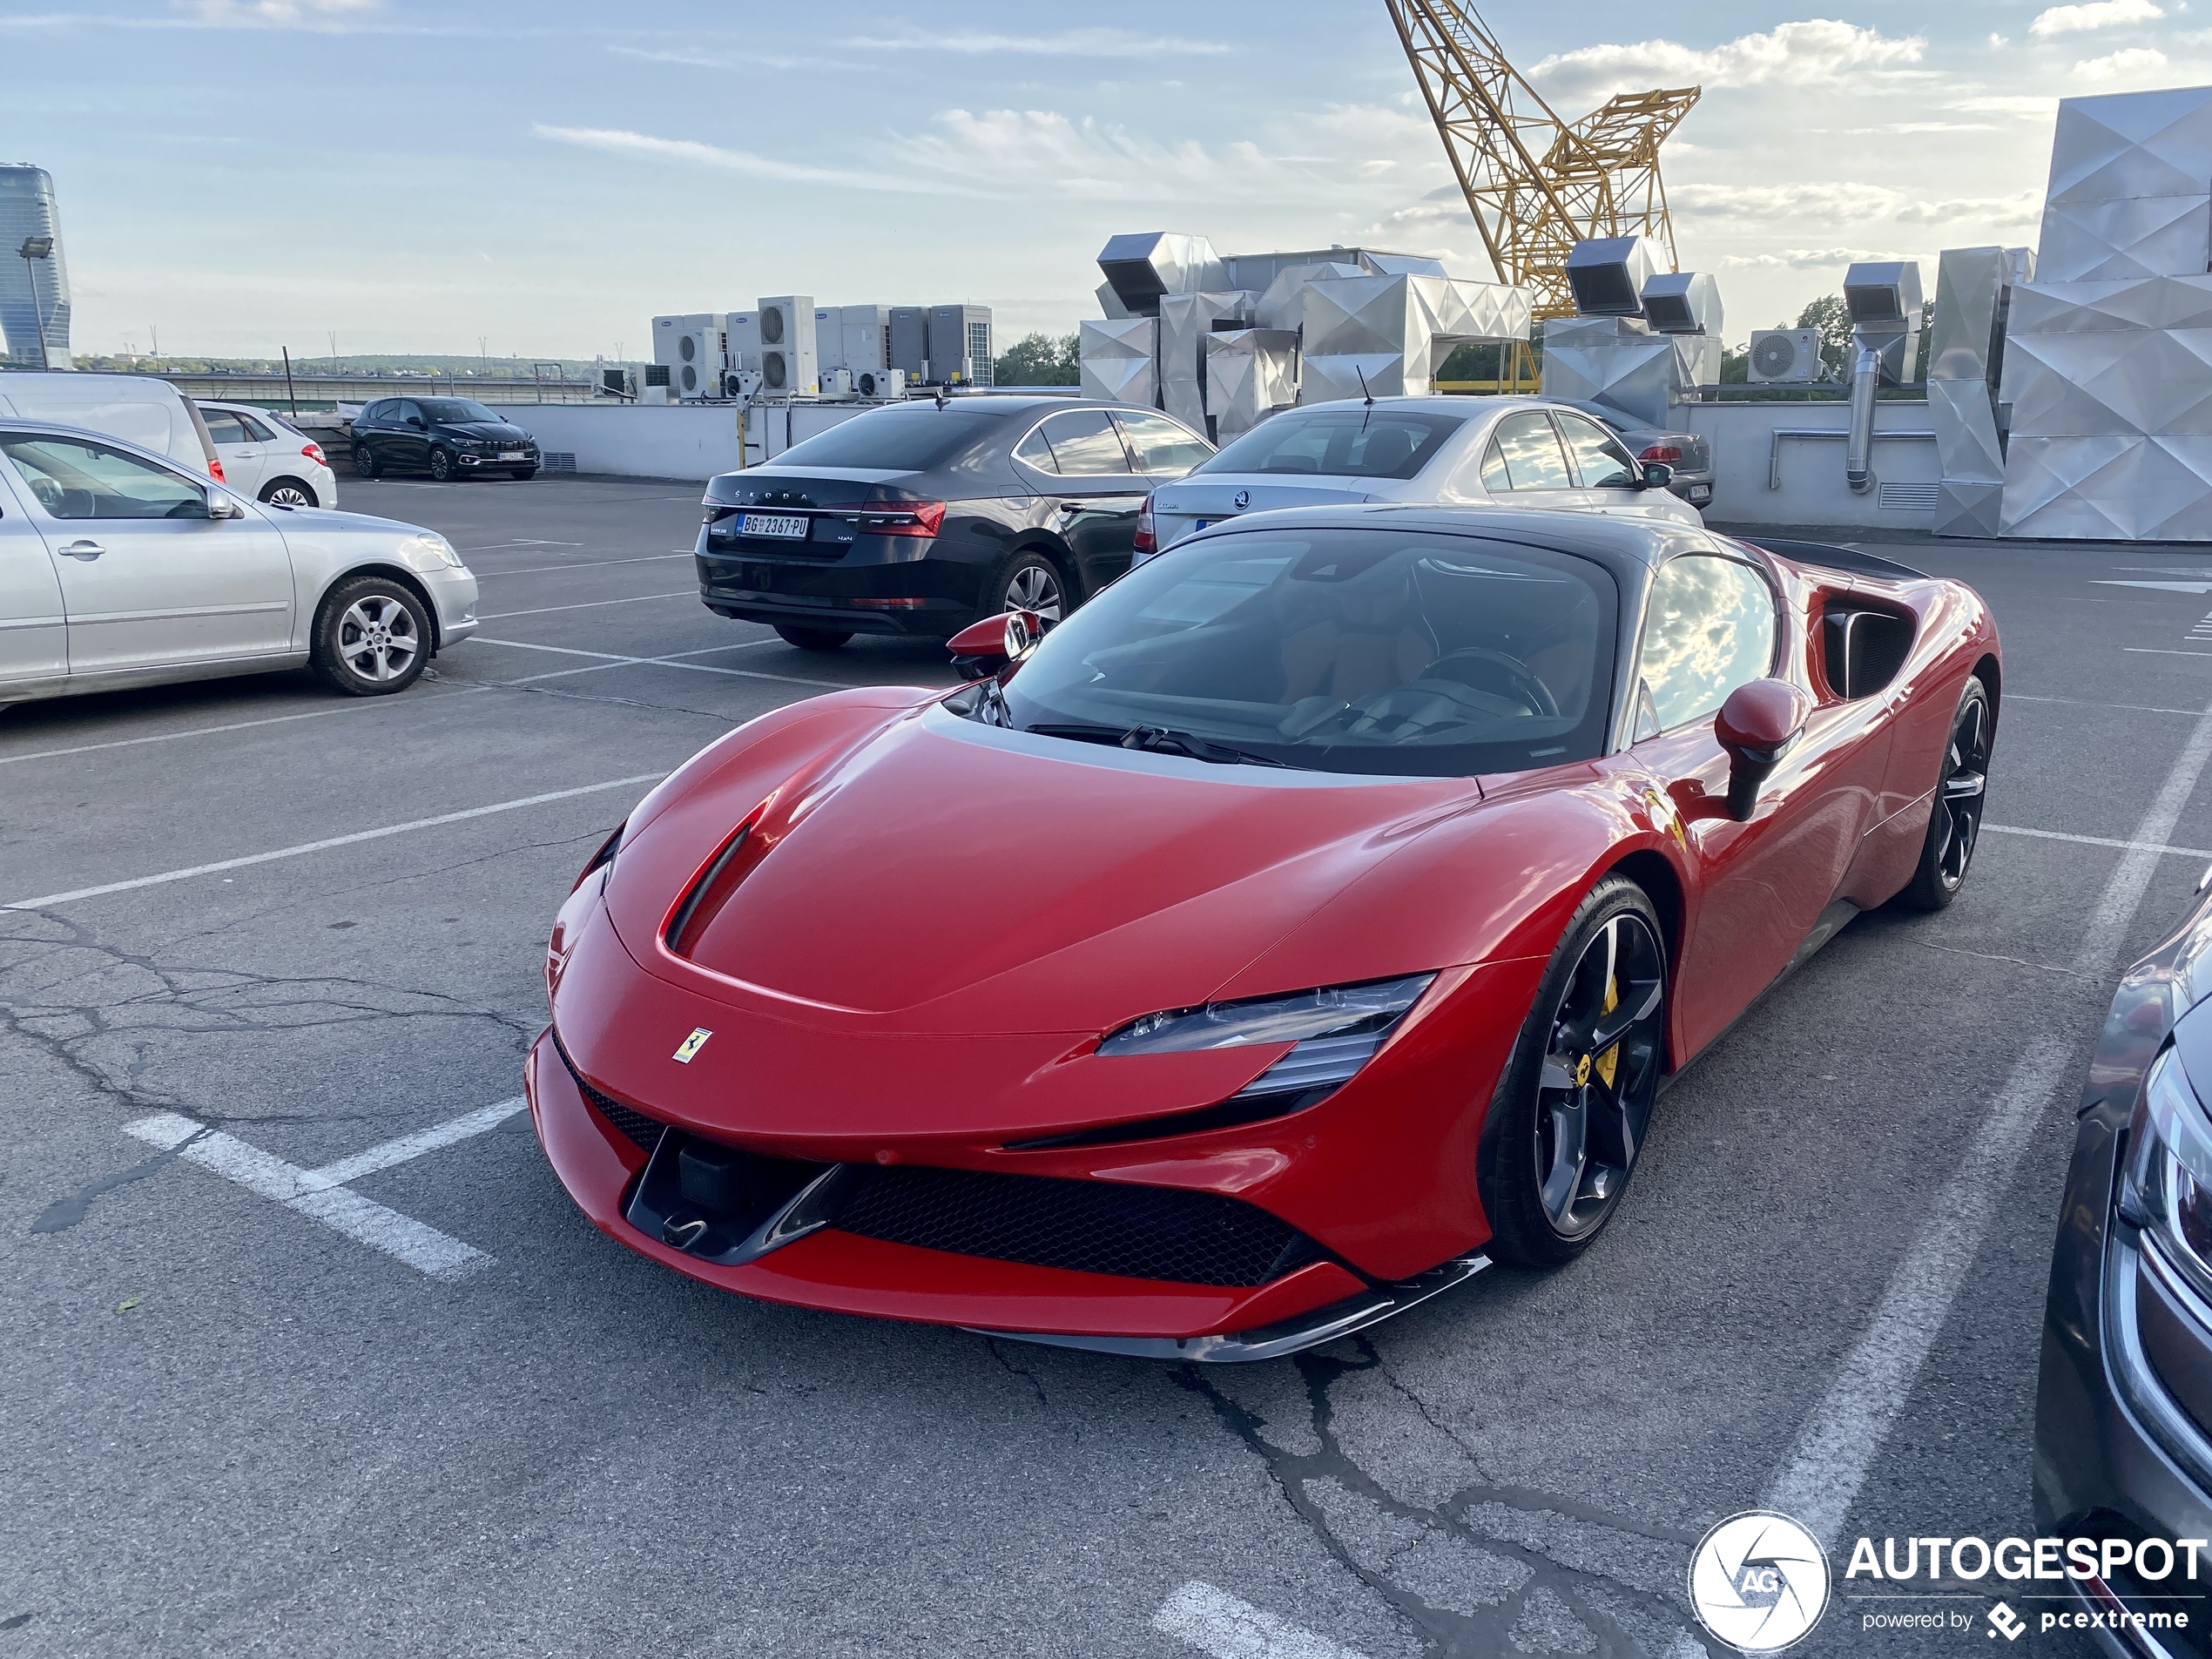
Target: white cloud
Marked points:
2028	108
277	14
1094	161
2023	207
2096	14
689	152
1068	43
2132	60
696	58
1792	54
1810	259
1833	202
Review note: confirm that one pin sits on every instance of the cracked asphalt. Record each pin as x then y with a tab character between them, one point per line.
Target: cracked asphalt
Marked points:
228	1429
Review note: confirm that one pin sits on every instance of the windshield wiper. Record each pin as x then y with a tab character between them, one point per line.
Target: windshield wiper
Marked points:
1159	739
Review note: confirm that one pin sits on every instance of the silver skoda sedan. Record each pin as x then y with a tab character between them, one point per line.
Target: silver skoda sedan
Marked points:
119	568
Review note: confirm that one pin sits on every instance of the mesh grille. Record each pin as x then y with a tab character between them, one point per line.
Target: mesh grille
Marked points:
1087	1226
644	1131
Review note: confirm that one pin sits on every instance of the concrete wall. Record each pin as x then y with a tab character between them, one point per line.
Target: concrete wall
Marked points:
1811	488
687	441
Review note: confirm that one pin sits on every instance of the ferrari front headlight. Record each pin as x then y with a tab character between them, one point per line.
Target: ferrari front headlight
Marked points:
429	551
2166	1184
1337	1030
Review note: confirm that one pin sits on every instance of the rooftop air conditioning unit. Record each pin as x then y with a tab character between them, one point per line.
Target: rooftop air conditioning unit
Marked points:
788	366
883	382
1785	355
837	385
701	355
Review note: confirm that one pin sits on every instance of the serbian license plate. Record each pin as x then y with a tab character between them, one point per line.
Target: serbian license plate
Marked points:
511	455
788	526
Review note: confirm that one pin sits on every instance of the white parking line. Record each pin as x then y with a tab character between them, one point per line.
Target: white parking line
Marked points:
2161	651
323	1193
306	847
581	564
1230	1628
589	604
1846	1431
2085	703
2100	840
241	725
616	659
524	541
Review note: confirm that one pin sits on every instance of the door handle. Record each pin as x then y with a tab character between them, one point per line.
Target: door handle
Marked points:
1070	507
85	551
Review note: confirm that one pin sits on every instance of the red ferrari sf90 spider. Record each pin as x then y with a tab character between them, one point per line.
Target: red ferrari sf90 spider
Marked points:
1307	921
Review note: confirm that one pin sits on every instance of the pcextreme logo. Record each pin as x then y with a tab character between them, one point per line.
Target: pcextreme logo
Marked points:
1759	1582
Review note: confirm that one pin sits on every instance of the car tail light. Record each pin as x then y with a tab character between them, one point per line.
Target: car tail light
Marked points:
1144	541
215	471
916	518
314	452
1668	452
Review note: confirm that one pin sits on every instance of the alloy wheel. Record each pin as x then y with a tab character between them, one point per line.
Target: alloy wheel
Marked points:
1965	784
1601	1073
1036	587
289	496
377	639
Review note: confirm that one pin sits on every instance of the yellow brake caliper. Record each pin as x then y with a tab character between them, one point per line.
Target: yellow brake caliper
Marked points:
1611	1060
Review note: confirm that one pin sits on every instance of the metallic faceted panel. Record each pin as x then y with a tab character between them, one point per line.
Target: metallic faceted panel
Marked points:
1142	267
1119	359
1391	330
1185	321
1973	291
1615	361
1251	372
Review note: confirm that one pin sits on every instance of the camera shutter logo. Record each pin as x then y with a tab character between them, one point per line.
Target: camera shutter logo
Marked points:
1759	1582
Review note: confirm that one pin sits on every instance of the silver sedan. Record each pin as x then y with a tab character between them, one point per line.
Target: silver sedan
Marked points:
118	568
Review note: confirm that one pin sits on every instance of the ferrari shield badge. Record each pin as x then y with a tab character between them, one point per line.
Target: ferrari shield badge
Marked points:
692	1045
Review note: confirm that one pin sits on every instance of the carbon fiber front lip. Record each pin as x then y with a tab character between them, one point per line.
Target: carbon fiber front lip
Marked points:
1276	1341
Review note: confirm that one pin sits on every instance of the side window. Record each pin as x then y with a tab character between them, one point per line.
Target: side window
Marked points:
1530	451
406	409
75	480
377	414
255	431
1086	443
1495	478
224	427
1709	629
1598	455
1160	444
1034	451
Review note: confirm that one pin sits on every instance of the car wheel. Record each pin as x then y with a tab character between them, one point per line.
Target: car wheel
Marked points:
1954	822
1030	581
288	492
365	464
442	466
371	636
523	475
1563	1131
812	638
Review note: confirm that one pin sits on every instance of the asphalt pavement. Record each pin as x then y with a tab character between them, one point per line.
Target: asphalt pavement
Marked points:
354	1376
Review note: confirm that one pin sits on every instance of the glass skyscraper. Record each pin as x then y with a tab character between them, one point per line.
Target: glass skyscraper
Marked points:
33	293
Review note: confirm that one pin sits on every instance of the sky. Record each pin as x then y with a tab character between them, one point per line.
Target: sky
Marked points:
245	174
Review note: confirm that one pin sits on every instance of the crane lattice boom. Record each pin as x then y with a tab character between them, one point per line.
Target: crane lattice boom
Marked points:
1536	184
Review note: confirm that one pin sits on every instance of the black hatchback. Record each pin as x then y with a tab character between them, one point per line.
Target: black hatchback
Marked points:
447	437
920	518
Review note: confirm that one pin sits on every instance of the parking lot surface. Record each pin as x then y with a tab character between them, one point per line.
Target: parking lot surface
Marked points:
352	1375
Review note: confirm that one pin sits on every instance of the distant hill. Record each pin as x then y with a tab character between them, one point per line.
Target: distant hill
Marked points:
461	366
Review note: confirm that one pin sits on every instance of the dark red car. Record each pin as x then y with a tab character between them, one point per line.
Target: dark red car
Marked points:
1305	922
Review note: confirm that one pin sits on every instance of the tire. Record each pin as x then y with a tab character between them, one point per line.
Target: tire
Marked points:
812	638
365	464
288	492
1030	581
523	475
1955	817
1563	1135
371	636
441	465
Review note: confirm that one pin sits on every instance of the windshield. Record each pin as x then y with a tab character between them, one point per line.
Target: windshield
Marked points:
891	440
450	409
1360	443
1357	650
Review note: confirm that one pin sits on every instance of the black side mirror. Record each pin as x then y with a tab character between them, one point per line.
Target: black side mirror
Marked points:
1657	475
415	421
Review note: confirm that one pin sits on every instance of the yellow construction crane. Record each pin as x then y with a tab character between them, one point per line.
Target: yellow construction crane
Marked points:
1536	184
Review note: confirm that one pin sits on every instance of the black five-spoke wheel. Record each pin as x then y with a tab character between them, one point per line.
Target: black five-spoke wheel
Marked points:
1954	820
1562	1136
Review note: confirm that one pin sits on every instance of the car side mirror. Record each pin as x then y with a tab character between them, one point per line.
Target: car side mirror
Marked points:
1760	723
415	421
988	646
220	506
1657	475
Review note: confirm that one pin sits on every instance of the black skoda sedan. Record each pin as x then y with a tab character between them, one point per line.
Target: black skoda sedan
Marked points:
2123	1412
918	518
447	437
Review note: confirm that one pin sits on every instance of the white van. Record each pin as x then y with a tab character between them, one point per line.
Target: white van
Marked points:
136	408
